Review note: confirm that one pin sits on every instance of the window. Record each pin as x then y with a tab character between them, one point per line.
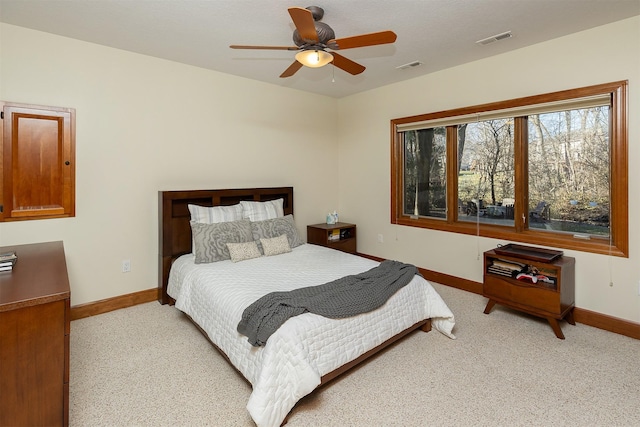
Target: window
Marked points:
548	169
425	173
486	170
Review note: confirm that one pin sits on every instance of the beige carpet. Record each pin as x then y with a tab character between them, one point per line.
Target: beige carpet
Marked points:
149	366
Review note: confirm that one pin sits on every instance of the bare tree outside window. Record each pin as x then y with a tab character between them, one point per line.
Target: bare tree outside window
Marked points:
486	174
569	171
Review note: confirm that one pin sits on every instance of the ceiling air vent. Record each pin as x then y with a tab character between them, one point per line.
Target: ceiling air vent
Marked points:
501	36
409	65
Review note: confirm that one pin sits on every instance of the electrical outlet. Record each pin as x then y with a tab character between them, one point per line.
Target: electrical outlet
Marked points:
380	238
126	265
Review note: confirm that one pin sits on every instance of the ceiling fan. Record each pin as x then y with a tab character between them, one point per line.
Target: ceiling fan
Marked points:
313	38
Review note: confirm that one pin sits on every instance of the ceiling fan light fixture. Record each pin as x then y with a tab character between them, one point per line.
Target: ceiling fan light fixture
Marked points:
312	37
314	58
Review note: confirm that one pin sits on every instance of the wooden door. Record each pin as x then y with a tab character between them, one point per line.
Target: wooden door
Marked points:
38	162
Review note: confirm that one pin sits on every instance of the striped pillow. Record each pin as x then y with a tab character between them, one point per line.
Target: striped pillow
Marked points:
215	214
260	211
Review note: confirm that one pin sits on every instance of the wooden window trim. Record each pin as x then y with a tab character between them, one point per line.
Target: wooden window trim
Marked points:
618	242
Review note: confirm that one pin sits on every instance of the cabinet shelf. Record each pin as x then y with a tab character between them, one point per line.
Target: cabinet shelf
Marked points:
323	235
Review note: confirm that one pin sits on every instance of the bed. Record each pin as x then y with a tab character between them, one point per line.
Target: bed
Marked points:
308	350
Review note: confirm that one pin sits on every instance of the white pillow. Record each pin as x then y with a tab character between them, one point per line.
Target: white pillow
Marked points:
275	245
243	251
260	211
215	214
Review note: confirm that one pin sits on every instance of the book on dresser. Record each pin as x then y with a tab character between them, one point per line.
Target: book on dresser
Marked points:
8	260
8	256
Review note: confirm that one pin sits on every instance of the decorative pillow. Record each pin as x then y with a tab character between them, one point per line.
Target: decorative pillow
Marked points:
276	245
259	211
275	227
210	240
214	214
243	251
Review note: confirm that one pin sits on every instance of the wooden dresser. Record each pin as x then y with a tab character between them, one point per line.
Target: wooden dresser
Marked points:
34	337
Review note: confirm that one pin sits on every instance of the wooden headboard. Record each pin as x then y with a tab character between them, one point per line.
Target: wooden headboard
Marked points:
174	228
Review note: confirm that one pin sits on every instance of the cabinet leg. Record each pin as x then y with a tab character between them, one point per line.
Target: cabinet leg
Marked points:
489	306
569	317
556	327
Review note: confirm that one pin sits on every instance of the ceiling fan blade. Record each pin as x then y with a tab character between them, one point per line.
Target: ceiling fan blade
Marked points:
346	64
372	39
236	46
293	68
303	20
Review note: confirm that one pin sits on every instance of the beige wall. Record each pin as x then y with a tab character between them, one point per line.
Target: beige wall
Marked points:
604	54
145	124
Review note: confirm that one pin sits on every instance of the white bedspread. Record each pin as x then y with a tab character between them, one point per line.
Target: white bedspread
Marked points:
306	347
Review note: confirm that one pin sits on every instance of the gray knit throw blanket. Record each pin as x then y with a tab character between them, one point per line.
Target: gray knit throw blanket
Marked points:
344	297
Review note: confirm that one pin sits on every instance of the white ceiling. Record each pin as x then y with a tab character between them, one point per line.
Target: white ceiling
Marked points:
438	33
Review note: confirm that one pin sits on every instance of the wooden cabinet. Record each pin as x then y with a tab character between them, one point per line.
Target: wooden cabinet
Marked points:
552	296
340	236
38	162
34	337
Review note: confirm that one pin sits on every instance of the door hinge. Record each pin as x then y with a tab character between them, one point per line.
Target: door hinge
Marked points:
1	114
1	208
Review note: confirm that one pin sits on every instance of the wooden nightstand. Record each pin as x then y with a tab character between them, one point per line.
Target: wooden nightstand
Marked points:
323	235
551	298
